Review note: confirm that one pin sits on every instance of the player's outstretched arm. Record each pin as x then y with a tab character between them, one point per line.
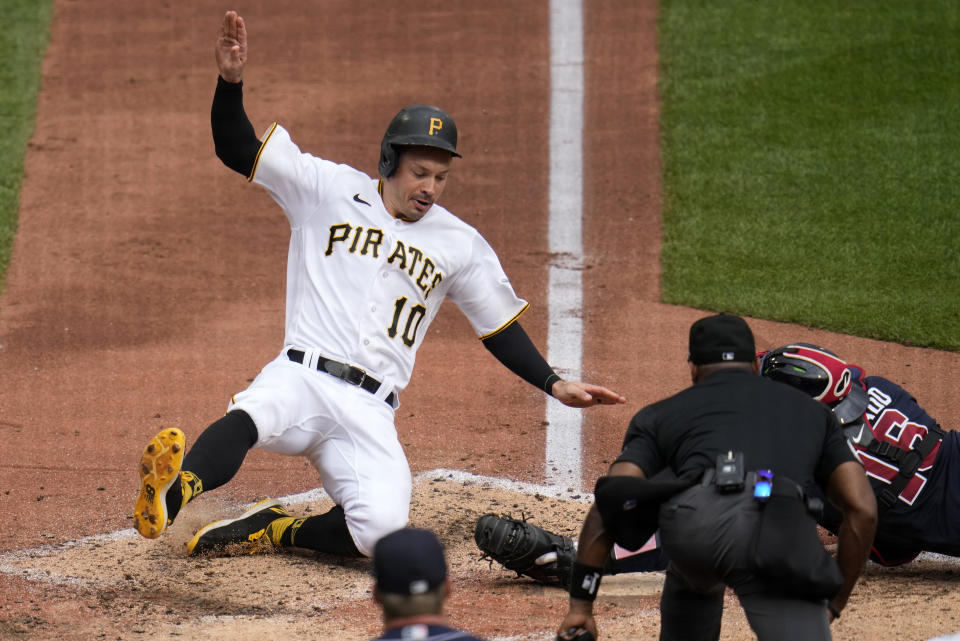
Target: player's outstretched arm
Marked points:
234	139
513	347
577	394
231	49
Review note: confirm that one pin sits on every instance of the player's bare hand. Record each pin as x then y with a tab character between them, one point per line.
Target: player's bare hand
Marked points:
232	47
576	394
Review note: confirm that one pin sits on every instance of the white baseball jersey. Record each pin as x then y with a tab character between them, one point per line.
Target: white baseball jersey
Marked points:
362	286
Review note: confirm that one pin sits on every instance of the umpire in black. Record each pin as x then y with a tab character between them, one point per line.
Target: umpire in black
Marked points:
720	468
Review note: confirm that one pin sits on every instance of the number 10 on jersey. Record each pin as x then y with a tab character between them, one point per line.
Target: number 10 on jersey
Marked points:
414	316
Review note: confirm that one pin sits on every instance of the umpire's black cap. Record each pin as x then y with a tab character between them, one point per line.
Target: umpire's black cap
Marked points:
409	561
721	339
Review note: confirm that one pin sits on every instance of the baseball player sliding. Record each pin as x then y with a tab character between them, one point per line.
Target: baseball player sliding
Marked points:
370	261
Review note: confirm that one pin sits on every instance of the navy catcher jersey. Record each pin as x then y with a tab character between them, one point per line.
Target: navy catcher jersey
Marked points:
927	512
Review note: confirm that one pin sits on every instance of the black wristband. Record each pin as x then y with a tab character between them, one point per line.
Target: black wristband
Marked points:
585	581
226	85
548	384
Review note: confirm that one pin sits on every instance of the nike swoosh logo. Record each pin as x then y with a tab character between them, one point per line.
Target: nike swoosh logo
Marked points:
357	198
859	435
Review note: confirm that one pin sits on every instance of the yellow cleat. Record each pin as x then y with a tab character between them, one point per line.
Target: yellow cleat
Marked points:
159	470
249	530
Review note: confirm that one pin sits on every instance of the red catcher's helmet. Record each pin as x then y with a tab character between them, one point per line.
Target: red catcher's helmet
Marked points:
821	374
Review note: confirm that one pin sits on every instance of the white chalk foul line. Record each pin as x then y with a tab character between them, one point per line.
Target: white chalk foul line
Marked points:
565	287
519	487
317	494
48	576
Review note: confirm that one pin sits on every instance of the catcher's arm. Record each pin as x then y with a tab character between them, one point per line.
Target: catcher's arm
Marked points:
593	549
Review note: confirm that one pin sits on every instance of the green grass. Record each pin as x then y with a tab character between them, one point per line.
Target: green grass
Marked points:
811	155
23	40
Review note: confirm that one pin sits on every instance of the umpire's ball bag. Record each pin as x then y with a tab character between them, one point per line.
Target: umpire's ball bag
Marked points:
788	551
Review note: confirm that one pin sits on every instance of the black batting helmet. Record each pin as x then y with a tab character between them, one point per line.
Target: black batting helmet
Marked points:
420	125
821	374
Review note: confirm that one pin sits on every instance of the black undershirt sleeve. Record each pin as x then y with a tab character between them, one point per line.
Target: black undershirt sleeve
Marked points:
516	351
235	141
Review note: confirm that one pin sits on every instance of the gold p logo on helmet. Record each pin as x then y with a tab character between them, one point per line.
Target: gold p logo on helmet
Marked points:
422	125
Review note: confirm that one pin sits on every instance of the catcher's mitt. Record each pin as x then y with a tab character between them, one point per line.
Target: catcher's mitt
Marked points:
526	549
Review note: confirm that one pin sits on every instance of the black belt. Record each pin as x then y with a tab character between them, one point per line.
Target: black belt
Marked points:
348	373
781	486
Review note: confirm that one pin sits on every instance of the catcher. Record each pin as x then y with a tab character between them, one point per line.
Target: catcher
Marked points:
912	464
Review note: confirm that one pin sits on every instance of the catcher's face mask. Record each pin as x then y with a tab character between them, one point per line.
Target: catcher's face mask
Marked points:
821	374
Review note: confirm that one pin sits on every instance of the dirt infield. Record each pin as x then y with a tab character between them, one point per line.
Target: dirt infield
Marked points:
146	288
150	590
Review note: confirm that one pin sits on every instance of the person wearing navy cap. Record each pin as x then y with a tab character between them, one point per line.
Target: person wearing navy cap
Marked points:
411	586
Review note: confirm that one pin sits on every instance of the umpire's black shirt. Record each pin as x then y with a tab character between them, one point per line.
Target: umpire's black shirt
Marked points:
774	425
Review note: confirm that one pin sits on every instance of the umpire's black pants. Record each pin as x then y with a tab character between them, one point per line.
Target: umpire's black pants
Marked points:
707	537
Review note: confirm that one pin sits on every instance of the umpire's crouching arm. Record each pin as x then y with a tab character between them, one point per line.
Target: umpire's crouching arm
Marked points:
850	491
592	550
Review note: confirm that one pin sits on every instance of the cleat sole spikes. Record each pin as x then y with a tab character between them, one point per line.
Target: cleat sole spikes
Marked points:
159	469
